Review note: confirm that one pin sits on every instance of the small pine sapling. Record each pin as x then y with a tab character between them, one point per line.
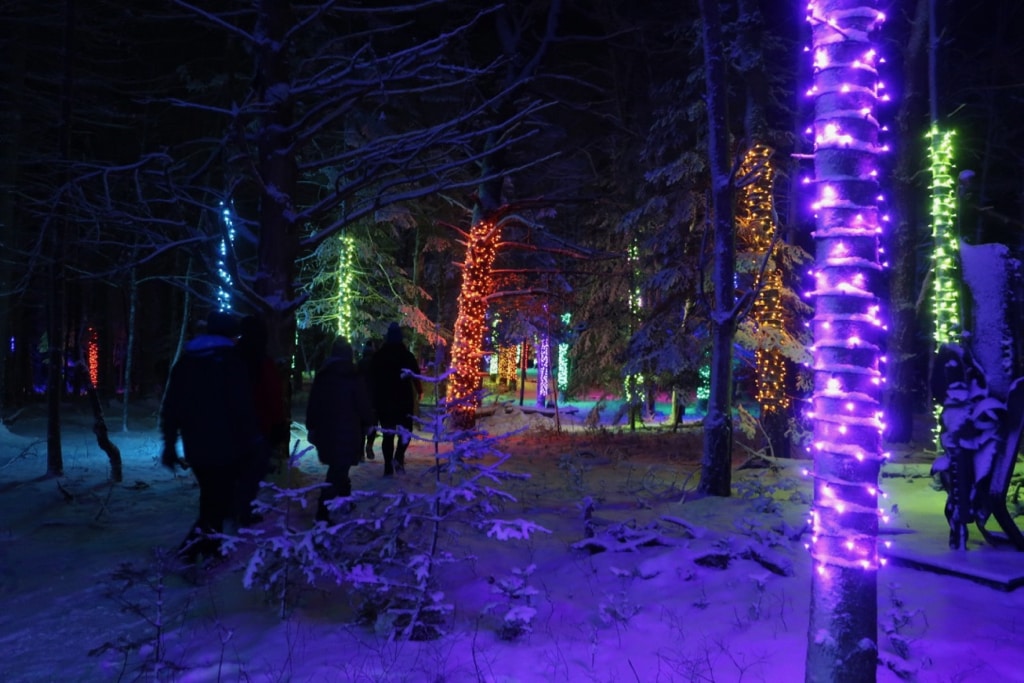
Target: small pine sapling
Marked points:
142	593
516	607
392	555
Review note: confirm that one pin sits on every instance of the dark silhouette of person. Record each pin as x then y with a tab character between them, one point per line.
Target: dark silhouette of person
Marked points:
209	403
269	404
396	393
364	365
338	414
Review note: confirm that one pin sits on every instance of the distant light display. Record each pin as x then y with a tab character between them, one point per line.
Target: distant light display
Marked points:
848	329
92	355
508	364
945	249
543	352
225	283
563	358
492	360
704	381
345	306
633	383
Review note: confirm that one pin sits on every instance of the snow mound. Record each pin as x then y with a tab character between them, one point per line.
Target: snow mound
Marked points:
508	417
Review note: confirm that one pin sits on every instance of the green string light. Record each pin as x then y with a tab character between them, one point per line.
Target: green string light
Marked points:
945	247
633	384
346	276
563	358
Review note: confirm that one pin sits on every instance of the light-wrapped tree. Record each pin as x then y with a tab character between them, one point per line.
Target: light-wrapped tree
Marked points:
846	402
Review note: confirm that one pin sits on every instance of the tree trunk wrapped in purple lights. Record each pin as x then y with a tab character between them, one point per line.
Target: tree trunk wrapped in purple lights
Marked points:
846	403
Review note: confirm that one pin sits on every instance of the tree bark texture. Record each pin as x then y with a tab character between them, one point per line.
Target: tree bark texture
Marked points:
485	232
99	425
848	605
11	124
716	463
129	348
278	174
55	286
904	375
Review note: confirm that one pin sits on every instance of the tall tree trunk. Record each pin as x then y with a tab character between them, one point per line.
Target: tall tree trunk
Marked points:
904	373
842	642
716	464
10	123
99	424
467	343
278	237
756	209
485	230
129	350
55	357
55	286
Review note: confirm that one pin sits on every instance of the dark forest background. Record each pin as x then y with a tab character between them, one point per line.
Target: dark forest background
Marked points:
127	128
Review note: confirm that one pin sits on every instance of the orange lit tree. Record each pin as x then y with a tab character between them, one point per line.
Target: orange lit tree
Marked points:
471	324
489	216
768	328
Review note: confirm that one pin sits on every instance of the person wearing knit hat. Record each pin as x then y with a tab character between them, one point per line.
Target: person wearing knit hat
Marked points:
396	391
338	414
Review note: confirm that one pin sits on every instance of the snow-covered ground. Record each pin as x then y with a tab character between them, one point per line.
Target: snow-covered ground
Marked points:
632	583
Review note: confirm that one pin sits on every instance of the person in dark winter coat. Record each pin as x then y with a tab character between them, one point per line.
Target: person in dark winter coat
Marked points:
364	364
209	403
338	414
268	401
395	396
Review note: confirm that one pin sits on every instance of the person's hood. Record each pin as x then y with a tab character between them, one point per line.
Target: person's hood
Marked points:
205	343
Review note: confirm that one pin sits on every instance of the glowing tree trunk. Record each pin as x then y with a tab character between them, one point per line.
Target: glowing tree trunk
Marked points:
544	388
945	250
508	365
846	401
346	277
470	325
225	249
563	359
755	226
633	384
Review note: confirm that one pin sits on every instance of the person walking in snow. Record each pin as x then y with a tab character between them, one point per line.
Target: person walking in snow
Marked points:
364	365
268	401
209	403
338	414
396	393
